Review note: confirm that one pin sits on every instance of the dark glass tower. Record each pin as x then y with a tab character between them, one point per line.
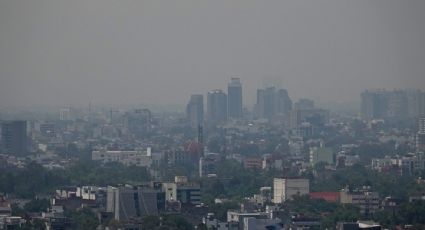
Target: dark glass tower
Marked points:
14	137
234	96
216	107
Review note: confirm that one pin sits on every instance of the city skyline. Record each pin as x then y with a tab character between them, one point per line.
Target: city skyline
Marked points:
59	52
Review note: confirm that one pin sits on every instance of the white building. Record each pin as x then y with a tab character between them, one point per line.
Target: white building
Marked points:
285	189
138	158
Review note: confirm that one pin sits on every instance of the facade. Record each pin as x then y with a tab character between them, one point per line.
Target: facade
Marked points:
367	201
272	102
395	104
321	154
252	223
412	163
14	137
234	102
132	203
374	104
65	114
253	163
212	223
216	107
207	164
195	111
313	116
183	191
285	189
420	136
138	158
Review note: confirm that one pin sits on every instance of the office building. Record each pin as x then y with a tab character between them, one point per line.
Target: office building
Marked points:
234	99
315	117
393	105
132	203
14	137
284	102
286	189
321	154
216	107
421	103
187	193
397	104
367	201
65	114
420	136
195	111
374	104
128	158
272	102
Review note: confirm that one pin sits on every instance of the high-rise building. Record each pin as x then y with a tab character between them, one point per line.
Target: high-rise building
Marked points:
284	102
216	107
272	102
374	104
413	102
421	103
65	114
397	104
132	203
286	189
420	136
195	110
316	117
14	137
234	92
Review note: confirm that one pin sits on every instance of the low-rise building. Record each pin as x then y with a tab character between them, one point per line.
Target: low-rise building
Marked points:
321	154
182	190
366	200
138	158
133	202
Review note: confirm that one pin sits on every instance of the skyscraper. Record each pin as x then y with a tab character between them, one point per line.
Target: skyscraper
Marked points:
374	104
266	102
216	107
272	102
195	110
14	137
420	136
397	104
234	91
284	102
421	103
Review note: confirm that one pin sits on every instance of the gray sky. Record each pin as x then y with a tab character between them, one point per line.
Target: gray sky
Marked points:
154	51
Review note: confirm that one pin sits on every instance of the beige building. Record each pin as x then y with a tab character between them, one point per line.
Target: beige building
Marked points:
285	189
367	201
137	158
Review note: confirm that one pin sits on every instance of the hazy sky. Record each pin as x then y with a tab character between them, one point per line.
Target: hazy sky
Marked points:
154	51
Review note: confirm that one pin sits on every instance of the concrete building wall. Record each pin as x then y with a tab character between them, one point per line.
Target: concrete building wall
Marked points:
285	189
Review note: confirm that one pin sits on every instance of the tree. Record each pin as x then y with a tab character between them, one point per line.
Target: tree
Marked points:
84	219
37	205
